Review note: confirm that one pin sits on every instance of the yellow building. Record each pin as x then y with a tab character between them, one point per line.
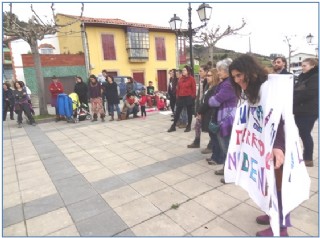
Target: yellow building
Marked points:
143	51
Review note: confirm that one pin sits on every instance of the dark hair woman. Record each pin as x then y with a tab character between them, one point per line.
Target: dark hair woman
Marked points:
173	81
111	92
81	89
95	94
186	94
247	77
8	101
21	103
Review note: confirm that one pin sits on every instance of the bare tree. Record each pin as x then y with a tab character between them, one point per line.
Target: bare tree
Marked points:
210	37
287	40
32	31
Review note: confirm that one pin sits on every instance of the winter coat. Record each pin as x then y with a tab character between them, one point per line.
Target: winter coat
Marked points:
205	110
95	90
186	87
226	99
306	94
111	92
55	89
8	96
172	87
81	89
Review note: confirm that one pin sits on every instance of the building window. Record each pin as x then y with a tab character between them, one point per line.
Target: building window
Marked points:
182	50
137	43
109	52
48	51
160	48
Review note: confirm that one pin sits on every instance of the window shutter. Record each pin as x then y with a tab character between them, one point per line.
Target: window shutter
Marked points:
160	48
109	52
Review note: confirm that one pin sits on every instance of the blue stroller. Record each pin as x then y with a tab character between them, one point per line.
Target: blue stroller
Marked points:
64	107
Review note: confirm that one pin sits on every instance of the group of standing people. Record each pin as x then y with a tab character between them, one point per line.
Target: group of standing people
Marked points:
242	78
18	101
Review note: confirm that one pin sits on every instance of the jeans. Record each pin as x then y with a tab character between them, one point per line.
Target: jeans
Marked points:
216	150
25	107
133	110
112	108
305	125
223	144
182	115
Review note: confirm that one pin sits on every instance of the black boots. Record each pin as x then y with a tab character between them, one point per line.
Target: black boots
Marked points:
195	144
95	117
188	128
172	128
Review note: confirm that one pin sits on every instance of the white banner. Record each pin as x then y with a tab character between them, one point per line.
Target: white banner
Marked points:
249	160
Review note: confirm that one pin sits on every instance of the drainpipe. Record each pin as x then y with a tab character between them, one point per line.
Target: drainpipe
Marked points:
85	48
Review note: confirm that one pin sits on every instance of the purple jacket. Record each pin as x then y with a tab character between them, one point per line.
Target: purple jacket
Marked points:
225	98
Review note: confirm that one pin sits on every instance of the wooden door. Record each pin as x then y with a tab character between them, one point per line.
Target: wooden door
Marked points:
68	83
139	77
162	80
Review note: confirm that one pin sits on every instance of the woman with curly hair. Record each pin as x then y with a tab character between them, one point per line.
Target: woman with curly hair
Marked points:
247	78
186	94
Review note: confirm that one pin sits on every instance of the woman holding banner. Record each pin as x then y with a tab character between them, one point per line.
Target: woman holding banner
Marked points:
247	78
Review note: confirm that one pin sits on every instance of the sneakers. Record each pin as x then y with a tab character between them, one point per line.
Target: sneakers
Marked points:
219	172
308	163
268	232
19	125
263	220
206	151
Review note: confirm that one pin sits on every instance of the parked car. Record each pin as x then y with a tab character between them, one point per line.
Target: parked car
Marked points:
122	80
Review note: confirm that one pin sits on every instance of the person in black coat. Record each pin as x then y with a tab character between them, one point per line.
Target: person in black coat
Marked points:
306	106
173	81
7	101
82	90
205	114
112	96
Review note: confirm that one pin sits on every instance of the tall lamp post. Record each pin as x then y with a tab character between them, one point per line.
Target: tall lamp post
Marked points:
309	41
204	12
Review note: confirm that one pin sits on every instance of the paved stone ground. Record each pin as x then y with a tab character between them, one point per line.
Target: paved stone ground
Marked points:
122	179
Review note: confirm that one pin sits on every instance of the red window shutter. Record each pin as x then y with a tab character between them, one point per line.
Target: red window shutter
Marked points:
109	52
160	48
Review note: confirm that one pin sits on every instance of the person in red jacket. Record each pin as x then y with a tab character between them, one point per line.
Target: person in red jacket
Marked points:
55	88
185	94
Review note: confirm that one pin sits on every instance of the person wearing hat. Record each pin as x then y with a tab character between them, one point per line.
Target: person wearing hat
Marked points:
55	89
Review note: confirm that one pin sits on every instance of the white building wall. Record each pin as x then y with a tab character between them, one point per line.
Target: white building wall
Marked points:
298	58
19	47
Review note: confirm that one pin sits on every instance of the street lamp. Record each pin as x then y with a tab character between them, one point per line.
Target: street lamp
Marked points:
309	41
204	12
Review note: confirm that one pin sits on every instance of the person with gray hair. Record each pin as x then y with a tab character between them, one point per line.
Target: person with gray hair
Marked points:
225	101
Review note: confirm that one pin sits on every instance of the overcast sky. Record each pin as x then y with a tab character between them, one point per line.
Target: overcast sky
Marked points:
268	23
